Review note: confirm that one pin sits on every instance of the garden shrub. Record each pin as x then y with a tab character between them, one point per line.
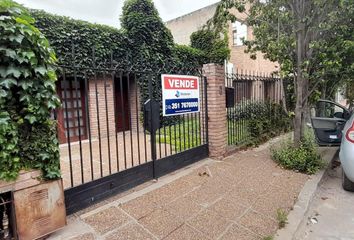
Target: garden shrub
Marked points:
27	89
264	120
305	158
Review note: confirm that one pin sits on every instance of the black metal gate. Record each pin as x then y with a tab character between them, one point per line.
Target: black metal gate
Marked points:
107	143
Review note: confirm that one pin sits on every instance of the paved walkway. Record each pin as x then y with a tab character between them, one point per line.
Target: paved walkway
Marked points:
331	213
232	199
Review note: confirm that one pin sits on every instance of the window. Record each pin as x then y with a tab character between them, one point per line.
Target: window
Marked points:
239	33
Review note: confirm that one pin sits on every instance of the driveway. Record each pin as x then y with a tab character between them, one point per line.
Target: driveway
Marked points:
331	213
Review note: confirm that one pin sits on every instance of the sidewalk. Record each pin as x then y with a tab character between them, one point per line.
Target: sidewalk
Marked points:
330	214
236	198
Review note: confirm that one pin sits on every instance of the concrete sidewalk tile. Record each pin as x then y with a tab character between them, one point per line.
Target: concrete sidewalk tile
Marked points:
184	208
161	223
181	186
228	208
259	224
185	232
163	195
86	236
256	183
131	231
291	178
171	191
107	220
275	199
209	223
226	173
243	196
141	206
205	196
195	179
239	233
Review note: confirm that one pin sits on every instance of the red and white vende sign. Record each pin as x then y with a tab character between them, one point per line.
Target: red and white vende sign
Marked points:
180	94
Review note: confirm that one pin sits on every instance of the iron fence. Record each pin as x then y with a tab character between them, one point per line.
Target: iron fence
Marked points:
249	95
105	147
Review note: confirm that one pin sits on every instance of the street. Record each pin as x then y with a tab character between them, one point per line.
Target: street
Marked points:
331	213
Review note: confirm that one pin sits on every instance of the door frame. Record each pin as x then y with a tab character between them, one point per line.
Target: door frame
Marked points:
61	112
333	126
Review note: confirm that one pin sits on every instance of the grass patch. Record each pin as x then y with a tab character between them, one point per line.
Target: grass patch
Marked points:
305	158
182	136
282	218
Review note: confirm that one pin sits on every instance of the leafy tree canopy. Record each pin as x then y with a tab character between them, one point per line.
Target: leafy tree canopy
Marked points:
311	40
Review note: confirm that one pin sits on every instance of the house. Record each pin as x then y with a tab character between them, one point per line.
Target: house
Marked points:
105	105
183	27
239	62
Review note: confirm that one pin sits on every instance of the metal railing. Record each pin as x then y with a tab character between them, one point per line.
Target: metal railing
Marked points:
248	95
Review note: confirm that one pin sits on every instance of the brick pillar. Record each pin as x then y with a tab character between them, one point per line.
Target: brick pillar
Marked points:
217	115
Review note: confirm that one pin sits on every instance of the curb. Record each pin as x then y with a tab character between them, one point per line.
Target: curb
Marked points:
296	216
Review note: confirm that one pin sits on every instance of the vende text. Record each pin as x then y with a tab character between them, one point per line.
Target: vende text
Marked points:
180	83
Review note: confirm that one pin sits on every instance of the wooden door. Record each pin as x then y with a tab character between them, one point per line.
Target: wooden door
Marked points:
122	104
72	115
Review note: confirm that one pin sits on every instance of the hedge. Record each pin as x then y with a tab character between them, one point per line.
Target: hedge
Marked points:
64	33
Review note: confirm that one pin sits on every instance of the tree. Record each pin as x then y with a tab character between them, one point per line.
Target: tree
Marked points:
306	37
214	46
151	41
349	93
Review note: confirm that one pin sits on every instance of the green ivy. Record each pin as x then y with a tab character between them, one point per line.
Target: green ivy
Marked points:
69	37
152	42
27	89
143	43
215	47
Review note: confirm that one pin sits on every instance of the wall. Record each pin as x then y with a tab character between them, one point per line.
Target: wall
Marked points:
184	26
107	83
98	119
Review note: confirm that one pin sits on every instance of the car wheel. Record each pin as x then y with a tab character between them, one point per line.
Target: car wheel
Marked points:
346	183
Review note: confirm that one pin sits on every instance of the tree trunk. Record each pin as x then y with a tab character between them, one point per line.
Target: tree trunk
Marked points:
283	97
299	85
298	113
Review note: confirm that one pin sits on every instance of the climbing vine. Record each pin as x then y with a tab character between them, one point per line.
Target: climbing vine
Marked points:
28	96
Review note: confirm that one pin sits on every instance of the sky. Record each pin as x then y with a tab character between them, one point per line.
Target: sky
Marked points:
108	11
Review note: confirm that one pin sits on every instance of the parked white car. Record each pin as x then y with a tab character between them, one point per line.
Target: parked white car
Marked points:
334	126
